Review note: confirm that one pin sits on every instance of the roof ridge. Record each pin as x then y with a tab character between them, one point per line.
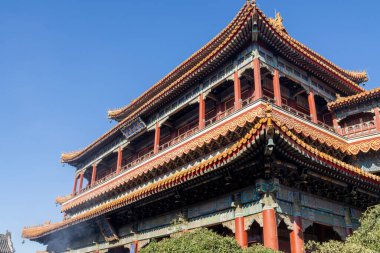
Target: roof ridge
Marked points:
277	23
130	116
114	112
280	29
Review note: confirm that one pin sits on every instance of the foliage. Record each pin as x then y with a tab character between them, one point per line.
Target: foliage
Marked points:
366	239
201	241
258	248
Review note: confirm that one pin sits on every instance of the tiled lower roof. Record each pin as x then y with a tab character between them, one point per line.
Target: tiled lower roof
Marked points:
204	167
6	245
354	99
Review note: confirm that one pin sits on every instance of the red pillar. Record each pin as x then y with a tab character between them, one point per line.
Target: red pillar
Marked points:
377	118
312	107
257	79
237	91
277	88
81	182
156	139
241	235
270	228
75	185
202	112
296	236
135	247
119	160
93	177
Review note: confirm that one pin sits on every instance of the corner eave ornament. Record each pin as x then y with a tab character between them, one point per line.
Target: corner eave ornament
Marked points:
277	23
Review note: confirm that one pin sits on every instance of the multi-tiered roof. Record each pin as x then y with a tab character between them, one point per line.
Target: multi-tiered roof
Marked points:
6	245
293	136
250	21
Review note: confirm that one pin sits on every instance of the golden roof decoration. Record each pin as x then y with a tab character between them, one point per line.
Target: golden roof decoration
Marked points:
69	155
277	22
60	200
360	97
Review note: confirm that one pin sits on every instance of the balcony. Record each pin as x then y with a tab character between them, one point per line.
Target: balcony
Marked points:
358	130
211	121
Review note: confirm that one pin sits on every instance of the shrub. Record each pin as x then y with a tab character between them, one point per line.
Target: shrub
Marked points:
258	248
200	240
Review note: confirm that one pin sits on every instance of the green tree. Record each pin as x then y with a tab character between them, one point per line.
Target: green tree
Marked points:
366	239
258	248
201	241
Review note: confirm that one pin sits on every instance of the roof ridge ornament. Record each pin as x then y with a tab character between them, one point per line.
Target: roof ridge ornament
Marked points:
277	22
252	2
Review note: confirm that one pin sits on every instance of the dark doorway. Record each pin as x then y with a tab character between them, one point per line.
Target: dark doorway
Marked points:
321	233
255	234
221	230
120	249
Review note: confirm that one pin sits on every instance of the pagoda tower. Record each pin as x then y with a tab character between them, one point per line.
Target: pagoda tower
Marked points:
254	136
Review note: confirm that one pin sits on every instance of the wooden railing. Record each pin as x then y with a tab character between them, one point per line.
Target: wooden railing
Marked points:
360	129
178	138
187	134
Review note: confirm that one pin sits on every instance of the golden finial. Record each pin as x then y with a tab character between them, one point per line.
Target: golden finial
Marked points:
277	22
253	2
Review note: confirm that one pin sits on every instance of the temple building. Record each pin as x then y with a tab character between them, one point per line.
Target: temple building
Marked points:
254	136
6	245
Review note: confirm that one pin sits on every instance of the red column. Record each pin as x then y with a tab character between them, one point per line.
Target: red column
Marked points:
119	160
81	182
75	185
312	107
202	112
93	177
377	118
156	139
237	91
135	247
257	79
277	88
241	235
270	228
296	236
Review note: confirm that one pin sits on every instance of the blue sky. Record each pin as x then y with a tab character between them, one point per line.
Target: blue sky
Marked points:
64	63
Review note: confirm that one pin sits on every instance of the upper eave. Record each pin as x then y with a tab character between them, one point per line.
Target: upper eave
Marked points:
212	53
355	77
354	99
236	34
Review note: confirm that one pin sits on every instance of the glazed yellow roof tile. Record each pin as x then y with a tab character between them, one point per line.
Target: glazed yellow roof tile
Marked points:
34	232
358	98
